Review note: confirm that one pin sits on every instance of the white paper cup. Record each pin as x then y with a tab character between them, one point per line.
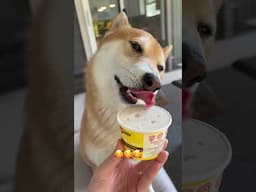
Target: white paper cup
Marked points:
207	152
139	135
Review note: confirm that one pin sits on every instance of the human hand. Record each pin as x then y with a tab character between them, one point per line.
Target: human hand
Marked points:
122	175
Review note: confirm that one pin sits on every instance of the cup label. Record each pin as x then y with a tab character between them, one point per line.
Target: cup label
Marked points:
150	144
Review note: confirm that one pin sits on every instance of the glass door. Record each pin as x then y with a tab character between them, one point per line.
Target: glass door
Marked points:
148	15
102	12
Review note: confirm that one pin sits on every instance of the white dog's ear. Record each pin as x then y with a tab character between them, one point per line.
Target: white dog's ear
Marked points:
119	22
167	50
217	4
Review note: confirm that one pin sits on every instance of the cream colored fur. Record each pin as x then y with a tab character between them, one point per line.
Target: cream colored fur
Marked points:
99	130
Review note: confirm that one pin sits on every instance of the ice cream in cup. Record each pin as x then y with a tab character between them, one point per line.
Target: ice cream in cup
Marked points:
206	153
143	130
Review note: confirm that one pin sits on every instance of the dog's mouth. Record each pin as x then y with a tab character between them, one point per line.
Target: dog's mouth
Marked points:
131	95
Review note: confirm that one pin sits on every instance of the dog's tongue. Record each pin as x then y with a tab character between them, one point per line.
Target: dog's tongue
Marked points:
147	96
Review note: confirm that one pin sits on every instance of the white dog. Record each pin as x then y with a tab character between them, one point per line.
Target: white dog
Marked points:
126	69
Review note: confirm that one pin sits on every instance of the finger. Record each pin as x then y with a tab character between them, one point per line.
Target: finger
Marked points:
150	173
163	156
121	144
144	164
165	144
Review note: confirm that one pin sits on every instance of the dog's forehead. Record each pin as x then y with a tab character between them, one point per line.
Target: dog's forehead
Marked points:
151	47
142	39
198	10
130	34
155	52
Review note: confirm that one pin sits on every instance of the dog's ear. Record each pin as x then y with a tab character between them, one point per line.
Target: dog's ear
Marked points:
217	4
167	50
119	22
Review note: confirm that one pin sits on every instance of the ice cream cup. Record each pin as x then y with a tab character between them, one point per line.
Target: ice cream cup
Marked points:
206	153
143	130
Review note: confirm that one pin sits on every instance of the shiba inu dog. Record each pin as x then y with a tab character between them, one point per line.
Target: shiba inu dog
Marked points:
126	69
198	36
198	32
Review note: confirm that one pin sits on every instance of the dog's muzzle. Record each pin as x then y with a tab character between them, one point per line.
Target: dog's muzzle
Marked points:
193	66
150	82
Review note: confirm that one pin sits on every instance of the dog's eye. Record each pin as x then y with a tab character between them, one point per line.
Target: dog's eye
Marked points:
160	67
204	30
136	46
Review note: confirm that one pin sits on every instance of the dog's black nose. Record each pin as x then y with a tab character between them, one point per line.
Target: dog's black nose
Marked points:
193	65
151	82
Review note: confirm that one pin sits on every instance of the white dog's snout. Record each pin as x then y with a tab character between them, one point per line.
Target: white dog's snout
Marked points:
144	67
133	76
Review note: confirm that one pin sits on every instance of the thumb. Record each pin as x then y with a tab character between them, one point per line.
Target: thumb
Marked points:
151	172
